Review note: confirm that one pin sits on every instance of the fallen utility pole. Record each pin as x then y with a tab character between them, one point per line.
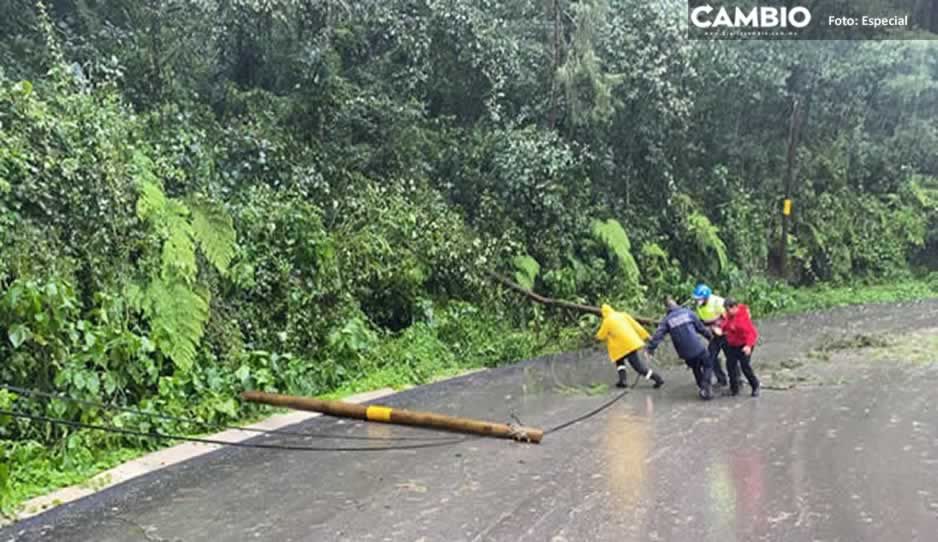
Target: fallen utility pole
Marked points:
374	413
538	298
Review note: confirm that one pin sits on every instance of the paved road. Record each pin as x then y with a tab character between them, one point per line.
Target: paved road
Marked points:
847	463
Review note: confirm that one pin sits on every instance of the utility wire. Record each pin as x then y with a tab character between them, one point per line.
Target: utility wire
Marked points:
96	404
284	447
588	415
440	441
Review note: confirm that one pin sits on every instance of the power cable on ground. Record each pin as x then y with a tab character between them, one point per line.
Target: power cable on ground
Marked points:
167	436
439	441
588	415
193	421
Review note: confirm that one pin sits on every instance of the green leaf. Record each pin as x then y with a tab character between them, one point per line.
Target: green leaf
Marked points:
654	250
611	234
152	202
5	489
6	399
707	238
215	232
527	270
228	407
133	293
243	373
19	334
177	315
179	250
110	384
23	87
93	383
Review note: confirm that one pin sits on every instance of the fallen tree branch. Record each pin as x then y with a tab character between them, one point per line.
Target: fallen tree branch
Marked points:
538	298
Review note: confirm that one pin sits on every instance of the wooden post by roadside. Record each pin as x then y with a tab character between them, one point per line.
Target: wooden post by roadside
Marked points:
383	414
793	128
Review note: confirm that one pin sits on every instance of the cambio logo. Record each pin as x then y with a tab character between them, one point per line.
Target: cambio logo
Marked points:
758	17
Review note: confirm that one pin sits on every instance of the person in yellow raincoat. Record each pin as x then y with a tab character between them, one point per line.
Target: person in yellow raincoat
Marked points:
624	339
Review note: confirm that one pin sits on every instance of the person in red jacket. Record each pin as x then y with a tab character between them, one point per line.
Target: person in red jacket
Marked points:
741	336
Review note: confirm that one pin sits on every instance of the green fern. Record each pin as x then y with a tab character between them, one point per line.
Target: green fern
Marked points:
152	201
178	256
924	191
135	294
177	316
527	270
611	234
654	251
214	230
181	225
707	238
176	308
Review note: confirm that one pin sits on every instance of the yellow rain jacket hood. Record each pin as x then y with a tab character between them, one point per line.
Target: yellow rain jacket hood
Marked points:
622	334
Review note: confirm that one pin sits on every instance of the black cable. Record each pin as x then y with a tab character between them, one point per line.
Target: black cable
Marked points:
442	441
284	447
588	415
96	404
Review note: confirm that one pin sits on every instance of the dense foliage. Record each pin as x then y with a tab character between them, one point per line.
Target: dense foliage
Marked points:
203	196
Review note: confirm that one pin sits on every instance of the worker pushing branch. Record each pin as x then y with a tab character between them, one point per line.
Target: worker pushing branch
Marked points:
623	334
686	329
624	338
711	311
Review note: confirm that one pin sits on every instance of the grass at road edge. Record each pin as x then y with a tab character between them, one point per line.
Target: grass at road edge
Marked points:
780	300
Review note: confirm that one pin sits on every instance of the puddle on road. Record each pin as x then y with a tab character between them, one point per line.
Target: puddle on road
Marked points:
626	444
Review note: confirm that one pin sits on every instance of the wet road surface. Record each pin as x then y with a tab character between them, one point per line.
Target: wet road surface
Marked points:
857	461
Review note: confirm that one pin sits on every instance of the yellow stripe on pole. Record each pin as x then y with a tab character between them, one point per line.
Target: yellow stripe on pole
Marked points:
378	414
786	210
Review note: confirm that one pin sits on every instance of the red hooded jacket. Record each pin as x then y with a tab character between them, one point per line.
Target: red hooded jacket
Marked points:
738	328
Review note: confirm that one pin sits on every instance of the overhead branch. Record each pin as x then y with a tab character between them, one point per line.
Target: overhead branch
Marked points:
560	303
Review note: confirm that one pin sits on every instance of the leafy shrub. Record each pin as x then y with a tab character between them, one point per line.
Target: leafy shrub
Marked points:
526	270
848	235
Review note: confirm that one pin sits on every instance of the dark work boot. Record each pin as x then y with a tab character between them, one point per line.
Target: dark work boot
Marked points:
720	375
705	393
657	378
755	391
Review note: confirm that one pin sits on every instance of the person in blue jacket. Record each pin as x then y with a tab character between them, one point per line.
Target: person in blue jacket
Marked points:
686	329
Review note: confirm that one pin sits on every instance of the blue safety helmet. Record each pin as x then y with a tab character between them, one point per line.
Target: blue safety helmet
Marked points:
702	291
